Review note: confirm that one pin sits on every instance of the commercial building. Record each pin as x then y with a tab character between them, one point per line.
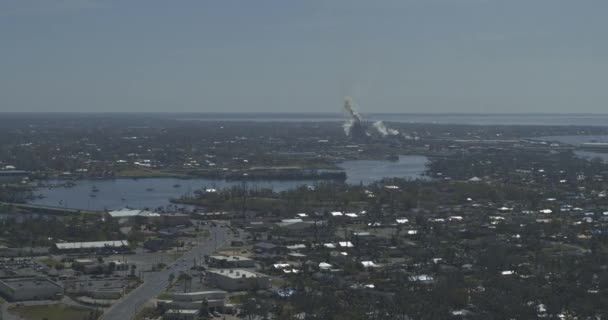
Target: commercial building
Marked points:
92	246
23	289
238	279
176	314
215	300
104	289
221	261
129	213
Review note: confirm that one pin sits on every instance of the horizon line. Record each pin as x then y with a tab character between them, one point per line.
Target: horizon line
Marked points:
236	113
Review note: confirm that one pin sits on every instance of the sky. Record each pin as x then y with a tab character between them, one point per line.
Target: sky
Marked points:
405	56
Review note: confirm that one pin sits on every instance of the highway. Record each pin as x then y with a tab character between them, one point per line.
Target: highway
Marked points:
155	283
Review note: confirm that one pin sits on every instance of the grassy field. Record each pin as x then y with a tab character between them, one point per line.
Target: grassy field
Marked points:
53	312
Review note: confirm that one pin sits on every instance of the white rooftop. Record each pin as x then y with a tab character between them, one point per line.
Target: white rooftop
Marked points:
183	311
346	244
92	244
235	273
368	264
230	258
123	213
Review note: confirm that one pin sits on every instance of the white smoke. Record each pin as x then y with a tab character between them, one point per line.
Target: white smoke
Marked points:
348	106
355	127
354	123
384	130
347	125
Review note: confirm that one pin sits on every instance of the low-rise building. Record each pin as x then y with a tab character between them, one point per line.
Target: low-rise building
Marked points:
92	246
214	299
104	289
178	314
221	261
238	279
23	289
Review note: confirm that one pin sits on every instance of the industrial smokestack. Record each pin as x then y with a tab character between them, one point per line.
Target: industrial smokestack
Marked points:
353	127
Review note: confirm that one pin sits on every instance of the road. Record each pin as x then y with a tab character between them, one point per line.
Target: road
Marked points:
155	283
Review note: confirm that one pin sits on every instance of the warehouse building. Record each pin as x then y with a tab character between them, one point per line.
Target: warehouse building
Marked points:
24	289
92	246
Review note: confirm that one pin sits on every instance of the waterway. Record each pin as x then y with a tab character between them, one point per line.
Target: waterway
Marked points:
154	193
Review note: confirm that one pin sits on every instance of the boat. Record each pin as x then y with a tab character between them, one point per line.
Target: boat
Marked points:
150	189
94	189
92	195
177	185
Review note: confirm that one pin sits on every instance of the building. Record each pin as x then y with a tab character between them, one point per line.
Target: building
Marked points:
103	289
23	289
269	248
92	246
299	228
89	266
7	176
128	213
221	261
238	279
215	300
178	314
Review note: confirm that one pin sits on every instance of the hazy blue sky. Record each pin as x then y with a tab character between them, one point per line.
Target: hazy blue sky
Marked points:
304	55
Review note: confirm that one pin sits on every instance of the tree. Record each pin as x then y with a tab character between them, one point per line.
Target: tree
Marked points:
204	306
186	280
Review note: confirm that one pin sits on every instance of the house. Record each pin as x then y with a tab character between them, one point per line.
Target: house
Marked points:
269	248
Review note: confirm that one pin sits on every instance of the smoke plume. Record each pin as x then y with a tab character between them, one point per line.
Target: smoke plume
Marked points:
384	130
353	126
348	106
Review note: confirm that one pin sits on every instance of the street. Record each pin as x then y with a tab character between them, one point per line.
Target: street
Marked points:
155	283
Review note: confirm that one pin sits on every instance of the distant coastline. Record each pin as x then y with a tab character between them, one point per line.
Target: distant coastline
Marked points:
532	119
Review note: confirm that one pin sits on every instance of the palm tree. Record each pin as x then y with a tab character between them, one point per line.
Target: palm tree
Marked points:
186	279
